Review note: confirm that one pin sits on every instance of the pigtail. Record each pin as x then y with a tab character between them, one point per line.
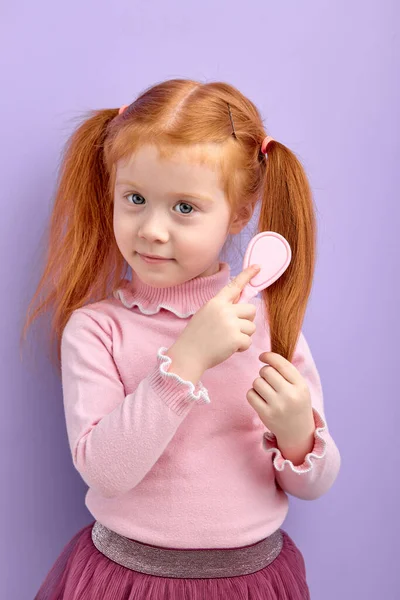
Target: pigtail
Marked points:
82	259
287	208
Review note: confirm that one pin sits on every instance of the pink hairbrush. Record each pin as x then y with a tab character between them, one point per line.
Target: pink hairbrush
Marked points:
272	252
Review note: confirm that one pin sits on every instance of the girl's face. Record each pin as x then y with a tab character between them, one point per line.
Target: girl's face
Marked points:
174	208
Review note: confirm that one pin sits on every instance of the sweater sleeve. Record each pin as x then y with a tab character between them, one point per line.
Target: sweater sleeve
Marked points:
114	438
317	473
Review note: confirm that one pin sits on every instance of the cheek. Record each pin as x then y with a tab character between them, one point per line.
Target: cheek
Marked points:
116	226
216	234
122	239
206	239
122	226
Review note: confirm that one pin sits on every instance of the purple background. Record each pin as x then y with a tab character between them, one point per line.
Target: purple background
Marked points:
325	77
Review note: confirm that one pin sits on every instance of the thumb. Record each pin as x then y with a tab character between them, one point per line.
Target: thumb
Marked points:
234	288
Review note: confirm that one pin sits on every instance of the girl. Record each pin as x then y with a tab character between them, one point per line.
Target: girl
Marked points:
188	447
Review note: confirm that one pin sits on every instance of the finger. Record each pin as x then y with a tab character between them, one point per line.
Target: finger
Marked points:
264	390
234	288
247	327
246	311
257	402
283	366
274	379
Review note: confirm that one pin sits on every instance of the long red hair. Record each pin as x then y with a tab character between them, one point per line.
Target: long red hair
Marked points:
83	263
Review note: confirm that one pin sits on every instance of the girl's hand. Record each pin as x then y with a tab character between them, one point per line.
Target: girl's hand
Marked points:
282	400
221	327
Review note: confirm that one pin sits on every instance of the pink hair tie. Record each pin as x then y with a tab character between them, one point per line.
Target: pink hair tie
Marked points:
265	143
123	107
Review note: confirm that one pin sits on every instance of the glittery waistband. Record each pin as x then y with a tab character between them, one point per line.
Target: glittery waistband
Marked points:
183	563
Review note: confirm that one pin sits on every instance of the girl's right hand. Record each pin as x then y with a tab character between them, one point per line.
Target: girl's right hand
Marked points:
221	327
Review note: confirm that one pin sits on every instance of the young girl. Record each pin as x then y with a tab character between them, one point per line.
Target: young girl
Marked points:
188	441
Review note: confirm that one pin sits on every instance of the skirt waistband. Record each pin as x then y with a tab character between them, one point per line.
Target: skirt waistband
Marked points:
183	563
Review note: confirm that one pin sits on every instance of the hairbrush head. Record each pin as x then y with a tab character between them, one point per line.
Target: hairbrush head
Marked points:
272	252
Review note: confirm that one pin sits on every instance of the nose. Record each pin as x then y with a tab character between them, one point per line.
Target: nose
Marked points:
153	229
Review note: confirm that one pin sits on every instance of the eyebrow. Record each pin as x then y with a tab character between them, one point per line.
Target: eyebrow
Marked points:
177	195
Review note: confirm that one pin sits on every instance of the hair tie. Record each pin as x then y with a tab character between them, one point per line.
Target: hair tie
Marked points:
123	107
267	140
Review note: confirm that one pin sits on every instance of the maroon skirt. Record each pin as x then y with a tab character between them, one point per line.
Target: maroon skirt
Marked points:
83	572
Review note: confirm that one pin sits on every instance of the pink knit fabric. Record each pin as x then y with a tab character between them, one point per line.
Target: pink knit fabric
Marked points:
169	463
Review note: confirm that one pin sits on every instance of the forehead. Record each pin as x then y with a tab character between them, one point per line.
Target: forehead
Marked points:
190	165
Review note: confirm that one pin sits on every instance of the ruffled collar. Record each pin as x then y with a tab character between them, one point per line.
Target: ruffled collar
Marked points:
183	300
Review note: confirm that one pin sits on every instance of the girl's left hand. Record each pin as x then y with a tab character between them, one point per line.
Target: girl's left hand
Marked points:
282	400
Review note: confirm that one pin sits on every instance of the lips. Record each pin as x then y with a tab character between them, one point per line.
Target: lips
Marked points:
151	260
155	257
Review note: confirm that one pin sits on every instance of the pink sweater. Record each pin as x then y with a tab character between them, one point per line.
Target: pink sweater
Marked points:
168	463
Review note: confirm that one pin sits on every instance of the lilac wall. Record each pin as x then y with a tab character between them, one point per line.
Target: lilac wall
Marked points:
325	76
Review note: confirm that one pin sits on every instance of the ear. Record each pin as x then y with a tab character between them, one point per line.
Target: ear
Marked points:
241	219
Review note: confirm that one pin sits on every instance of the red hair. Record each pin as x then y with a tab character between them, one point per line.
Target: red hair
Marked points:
83	262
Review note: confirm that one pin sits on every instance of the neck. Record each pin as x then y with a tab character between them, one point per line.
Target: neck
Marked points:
183	299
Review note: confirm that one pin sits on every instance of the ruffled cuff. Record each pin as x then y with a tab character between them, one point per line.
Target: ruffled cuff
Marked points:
177	393
318	451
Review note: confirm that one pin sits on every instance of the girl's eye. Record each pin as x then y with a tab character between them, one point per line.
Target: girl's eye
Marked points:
186	206
133	195
183	203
